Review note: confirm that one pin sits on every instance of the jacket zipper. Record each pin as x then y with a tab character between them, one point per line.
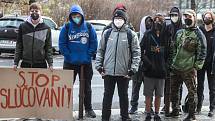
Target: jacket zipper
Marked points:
32	61
116	52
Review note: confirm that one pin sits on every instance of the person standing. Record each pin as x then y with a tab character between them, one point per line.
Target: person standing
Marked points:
137	78
34	44
117	59
188	56
209	31
78	43
152	55
171	29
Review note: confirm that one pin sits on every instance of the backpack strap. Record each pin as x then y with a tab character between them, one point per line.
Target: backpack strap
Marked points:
106	36
129	37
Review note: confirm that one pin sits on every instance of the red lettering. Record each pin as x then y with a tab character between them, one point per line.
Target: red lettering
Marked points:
32	77
9	100
62	99
69	91
16	98
46	98
55	78
31	89
54	96
39	100
3	93
24	81
23	97
46	80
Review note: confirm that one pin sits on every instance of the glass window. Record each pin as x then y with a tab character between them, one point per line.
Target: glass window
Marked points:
98	27
50	23
13	23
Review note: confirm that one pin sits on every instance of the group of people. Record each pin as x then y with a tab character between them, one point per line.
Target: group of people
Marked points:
163	56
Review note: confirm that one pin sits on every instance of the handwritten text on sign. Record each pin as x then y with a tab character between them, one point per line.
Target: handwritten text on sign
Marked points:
37	90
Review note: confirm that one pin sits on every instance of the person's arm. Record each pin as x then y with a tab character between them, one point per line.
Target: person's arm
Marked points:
100	53
19	47
201	51
136	53
48	49
63	41
93	42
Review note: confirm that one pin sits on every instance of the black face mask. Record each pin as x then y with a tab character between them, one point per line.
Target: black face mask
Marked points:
208	21
35	16
188	21
158	26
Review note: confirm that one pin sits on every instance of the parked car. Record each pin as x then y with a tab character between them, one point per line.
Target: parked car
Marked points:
9	30
99	26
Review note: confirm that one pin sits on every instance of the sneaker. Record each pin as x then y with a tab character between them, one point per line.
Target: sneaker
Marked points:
152	111
157	118
126	119
132	110
90	114
173	114
190	118
211	113
198	111
148	117
163	110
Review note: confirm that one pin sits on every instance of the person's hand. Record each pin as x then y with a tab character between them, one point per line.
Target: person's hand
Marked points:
130	73
15	67
51	68
101	71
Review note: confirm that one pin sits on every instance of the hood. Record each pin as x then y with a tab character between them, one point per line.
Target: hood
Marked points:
29	21
76	9
177	10
143	25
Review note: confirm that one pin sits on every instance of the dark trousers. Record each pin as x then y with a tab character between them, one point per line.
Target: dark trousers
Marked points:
135	93
137	80
35	65
88	74
109	87
200	87
189	80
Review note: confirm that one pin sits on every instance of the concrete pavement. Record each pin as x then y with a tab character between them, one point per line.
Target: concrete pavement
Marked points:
140	116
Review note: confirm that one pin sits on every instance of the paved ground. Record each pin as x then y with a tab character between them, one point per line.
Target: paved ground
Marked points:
140	116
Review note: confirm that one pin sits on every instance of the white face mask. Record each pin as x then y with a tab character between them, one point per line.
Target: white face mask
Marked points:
119	22
174	19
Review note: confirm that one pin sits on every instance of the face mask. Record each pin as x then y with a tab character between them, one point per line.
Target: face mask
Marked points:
158	26
208	21
77	20
35	16
188	21
118	22
174	19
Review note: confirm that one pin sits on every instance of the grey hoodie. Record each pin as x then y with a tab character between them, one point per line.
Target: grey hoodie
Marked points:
116	58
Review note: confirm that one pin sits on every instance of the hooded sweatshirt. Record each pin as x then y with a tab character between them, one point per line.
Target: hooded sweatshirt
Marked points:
77	44
143	26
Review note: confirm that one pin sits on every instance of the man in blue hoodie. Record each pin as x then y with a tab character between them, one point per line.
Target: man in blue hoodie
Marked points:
78	43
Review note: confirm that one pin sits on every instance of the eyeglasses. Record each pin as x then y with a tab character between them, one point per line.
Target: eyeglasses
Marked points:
173	15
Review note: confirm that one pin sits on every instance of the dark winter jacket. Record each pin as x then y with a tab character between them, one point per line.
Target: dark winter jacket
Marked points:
210	57
34	44
154	65
171	30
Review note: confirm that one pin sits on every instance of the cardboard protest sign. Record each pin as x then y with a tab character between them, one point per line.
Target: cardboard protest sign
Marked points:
37	93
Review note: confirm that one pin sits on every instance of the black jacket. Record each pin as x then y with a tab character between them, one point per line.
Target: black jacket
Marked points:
210	57
154	65
34	45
